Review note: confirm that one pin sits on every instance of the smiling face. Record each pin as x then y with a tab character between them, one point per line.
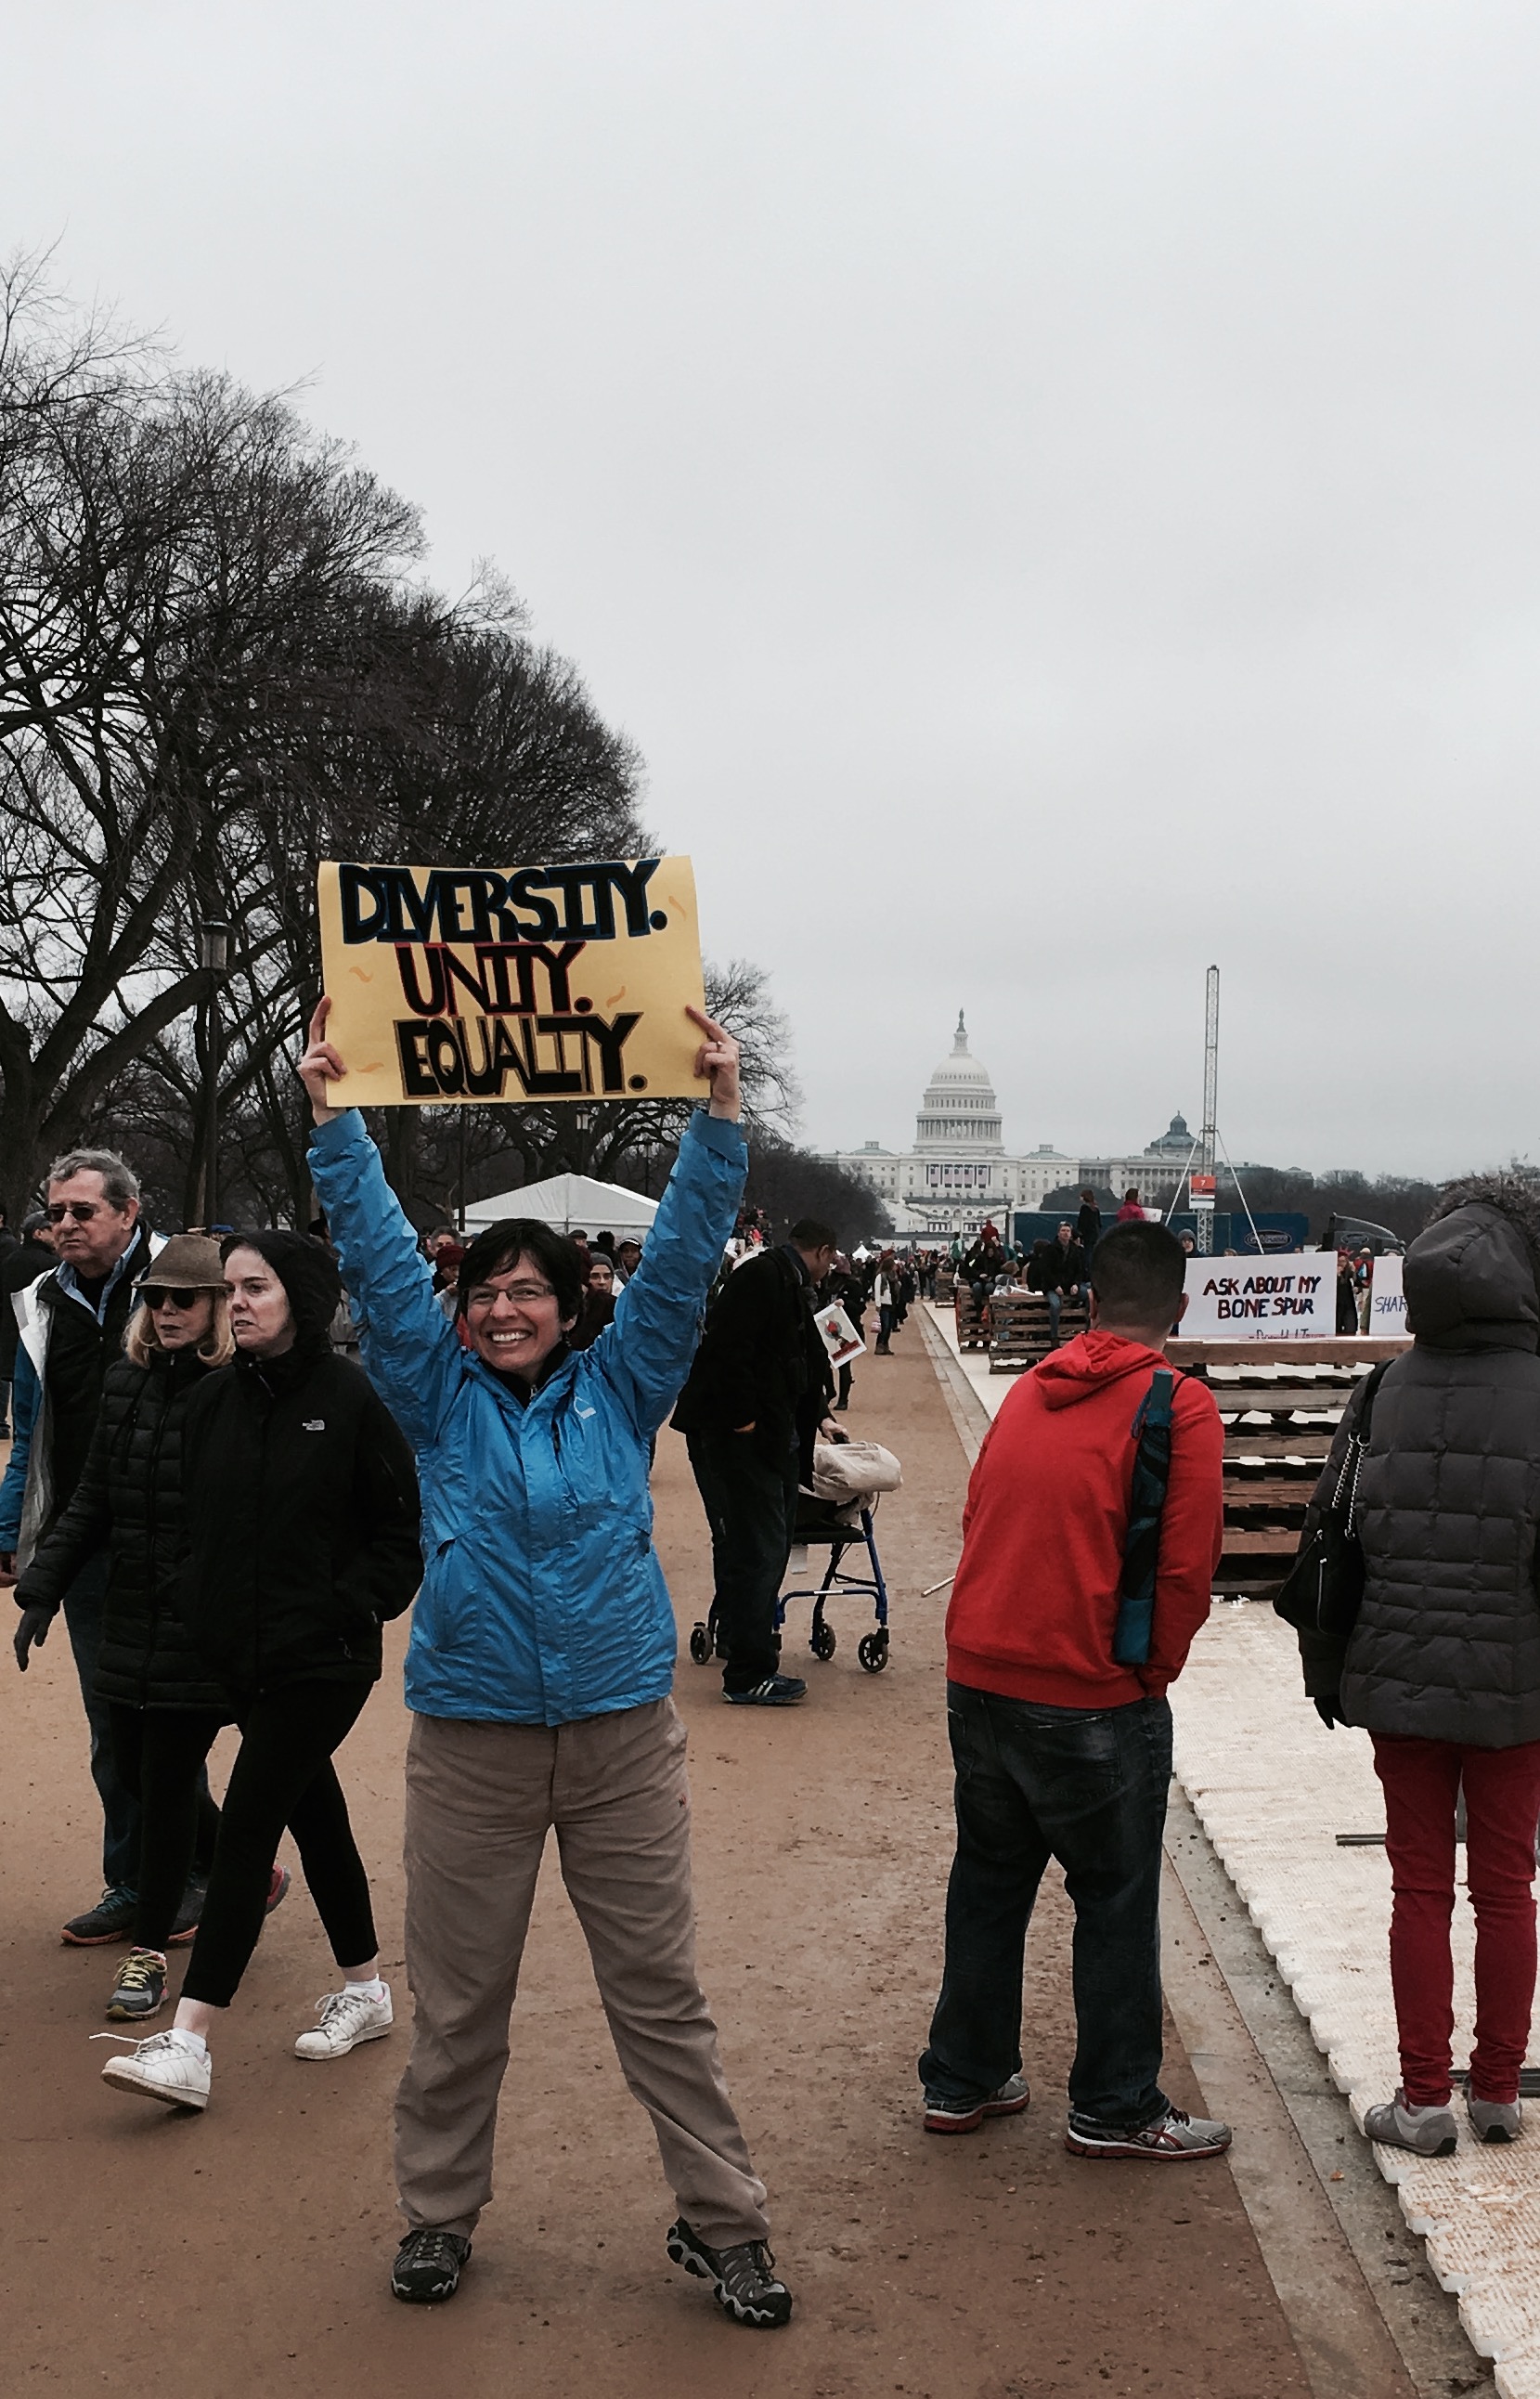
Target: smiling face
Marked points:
514	1319
260	1315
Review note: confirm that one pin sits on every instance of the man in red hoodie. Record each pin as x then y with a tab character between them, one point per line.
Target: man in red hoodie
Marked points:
1059	1751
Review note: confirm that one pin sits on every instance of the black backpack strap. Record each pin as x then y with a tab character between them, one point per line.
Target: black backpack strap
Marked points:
1152	1429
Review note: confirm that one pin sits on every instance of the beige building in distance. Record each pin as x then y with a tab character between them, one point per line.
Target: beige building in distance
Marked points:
959	1170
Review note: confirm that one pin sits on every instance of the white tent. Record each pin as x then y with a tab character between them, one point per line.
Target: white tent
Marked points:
568	1201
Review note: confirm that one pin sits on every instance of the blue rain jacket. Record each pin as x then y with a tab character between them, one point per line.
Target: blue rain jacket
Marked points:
543	1600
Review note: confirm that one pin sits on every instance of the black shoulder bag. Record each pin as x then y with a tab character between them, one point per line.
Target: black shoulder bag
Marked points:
1323	1589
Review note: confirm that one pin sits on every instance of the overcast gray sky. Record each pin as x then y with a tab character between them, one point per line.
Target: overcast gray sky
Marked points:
1050	487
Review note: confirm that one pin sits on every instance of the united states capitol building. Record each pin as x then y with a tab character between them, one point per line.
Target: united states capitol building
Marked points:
959	1170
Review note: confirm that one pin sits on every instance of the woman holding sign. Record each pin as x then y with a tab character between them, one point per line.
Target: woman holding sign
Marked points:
539	1674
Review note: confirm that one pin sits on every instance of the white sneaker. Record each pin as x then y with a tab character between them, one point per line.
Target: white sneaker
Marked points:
346	2018
162	2068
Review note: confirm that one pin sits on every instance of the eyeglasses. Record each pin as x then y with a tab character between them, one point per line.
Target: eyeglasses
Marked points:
156	1299
522	1292
81	1210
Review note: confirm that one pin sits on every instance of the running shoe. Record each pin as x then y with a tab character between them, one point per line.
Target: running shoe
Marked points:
346	2018
742	2279
1172	2135
1427	2130
428	2264
776	1691
163	2067
139	1990
189	1916
966	2115
1495	2119
110	1920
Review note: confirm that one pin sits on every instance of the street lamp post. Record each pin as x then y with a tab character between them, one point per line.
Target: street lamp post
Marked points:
215	959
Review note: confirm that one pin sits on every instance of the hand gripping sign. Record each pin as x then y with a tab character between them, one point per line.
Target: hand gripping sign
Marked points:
531	982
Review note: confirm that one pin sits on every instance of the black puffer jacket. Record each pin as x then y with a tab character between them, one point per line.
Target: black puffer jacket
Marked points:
302	1519
129	1495
1447	1646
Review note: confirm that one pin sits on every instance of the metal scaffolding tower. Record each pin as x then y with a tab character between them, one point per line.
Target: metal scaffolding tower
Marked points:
1208	1138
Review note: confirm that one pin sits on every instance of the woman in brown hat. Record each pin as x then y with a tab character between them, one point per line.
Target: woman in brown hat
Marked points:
166	1707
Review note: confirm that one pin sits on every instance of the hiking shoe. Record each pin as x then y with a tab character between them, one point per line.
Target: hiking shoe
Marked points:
1495	2119
428	2264
776	1691
1428	2130
188	1915
346	2018
110	1920
139	1990
742	2278
1174	2134
162	2068
966	2115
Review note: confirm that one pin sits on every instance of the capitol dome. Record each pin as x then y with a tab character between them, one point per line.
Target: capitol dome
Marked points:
959	1110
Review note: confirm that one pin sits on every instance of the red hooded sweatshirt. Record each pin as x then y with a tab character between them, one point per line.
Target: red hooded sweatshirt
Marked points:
1035	1598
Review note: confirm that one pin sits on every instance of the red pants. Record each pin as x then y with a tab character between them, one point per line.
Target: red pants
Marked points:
1422	1782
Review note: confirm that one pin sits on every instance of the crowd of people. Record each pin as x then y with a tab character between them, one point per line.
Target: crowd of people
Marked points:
226	1508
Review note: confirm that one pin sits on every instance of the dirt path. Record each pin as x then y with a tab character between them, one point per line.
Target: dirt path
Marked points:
246	2251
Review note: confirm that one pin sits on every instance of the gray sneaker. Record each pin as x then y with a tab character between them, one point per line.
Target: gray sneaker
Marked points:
1175	2134
1427	2130
1495	2119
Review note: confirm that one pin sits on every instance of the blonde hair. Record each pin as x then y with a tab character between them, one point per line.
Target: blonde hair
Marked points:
141	1342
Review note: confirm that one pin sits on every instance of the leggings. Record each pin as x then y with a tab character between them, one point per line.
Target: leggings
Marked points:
159	1754
283	1775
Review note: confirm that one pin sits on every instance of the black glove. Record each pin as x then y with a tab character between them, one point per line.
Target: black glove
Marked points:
30	1633
1329	1710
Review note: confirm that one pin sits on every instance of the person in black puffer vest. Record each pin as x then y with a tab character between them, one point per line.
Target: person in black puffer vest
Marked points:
302	1519
1442	1667
164	1707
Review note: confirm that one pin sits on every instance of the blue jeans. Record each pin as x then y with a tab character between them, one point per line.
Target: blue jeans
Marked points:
85	1604
1086	1786
750	1503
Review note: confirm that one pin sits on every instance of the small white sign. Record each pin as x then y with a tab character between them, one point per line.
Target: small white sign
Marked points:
1387	1301
1288	1298
840	1336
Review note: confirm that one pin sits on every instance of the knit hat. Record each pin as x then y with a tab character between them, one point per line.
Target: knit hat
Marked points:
187	1262
308	1274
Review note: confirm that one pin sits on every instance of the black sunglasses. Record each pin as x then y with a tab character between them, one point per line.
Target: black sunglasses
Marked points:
155	1297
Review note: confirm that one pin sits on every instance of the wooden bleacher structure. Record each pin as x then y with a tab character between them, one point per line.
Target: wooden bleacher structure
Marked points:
1281	1402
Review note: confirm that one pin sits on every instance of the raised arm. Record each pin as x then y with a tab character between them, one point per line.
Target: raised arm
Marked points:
645	1353
412	1354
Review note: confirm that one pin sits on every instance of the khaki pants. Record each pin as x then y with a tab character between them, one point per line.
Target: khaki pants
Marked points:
479	1801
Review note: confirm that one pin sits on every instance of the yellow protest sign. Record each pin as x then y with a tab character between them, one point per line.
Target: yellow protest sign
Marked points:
531	982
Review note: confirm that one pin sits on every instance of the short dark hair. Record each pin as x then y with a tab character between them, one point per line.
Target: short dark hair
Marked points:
502	1246
1140	1271
812	1233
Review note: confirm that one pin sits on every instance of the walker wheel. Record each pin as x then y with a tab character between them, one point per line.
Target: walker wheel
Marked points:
872	1651
700	1645
824	1642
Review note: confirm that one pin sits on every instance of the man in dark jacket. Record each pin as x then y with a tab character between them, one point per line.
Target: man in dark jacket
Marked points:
71	1324
758	1392
1058	1269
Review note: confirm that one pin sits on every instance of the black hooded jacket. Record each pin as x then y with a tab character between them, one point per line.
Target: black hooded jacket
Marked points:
1447	1645
302	1501
130	1496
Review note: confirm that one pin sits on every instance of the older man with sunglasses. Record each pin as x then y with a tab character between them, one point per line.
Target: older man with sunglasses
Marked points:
72	1323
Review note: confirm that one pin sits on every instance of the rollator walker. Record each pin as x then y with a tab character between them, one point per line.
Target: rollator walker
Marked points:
848	1481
